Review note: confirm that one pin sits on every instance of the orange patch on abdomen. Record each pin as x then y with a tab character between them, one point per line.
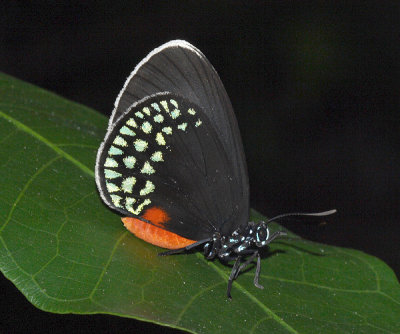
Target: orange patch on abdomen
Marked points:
153	234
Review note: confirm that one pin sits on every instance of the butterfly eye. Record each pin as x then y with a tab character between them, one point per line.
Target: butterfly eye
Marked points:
261	234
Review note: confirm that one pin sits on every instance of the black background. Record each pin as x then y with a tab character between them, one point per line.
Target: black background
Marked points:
315	87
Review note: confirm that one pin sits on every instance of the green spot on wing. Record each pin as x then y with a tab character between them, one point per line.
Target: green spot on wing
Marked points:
116	200
160	139
126	131
165	106
167	130
157	156
139	114
156	107
111	174
146	111
149	187
147	168
115	151
182	126
119	141
111	187
110	162
146	127
128	183
175	113
140	145
158	118
129	201
131	122
129	161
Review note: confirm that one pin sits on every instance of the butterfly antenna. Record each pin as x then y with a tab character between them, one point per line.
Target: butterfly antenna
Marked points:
315	214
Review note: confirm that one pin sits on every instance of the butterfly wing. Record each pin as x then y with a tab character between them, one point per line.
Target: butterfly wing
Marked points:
164	153
180	68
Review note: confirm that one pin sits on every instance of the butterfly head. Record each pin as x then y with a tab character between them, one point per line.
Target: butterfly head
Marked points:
262	235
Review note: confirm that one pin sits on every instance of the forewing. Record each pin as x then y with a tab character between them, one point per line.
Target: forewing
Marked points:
163	152
180	68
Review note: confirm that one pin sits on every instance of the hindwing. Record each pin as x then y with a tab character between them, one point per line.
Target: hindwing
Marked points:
163	152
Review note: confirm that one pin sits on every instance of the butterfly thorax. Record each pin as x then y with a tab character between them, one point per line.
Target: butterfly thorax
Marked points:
243	241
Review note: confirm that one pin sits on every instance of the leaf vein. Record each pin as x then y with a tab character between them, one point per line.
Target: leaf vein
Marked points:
123	235
193	298
44	140
263	307
25	188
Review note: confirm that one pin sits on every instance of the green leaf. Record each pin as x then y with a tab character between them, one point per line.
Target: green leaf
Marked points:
67	253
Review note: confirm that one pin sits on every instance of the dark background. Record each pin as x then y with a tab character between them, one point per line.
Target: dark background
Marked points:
315	87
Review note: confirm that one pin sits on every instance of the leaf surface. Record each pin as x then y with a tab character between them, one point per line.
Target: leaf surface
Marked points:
67	253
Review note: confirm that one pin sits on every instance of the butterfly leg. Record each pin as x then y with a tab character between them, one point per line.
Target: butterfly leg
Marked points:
258	269
184	249
245	264
233	275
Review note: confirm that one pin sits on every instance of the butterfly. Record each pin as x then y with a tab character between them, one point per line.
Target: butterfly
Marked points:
172	162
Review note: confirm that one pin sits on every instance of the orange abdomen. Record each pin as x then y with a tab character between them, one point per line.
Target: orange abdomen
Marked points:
153	234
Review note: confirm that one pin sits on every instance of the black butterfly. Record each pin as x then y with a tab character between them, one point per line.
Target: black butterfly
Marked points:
172	161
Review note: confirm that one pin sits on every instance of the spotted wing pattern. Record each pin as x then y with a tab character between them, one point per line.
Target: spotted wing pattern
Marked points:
180	68
164	153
